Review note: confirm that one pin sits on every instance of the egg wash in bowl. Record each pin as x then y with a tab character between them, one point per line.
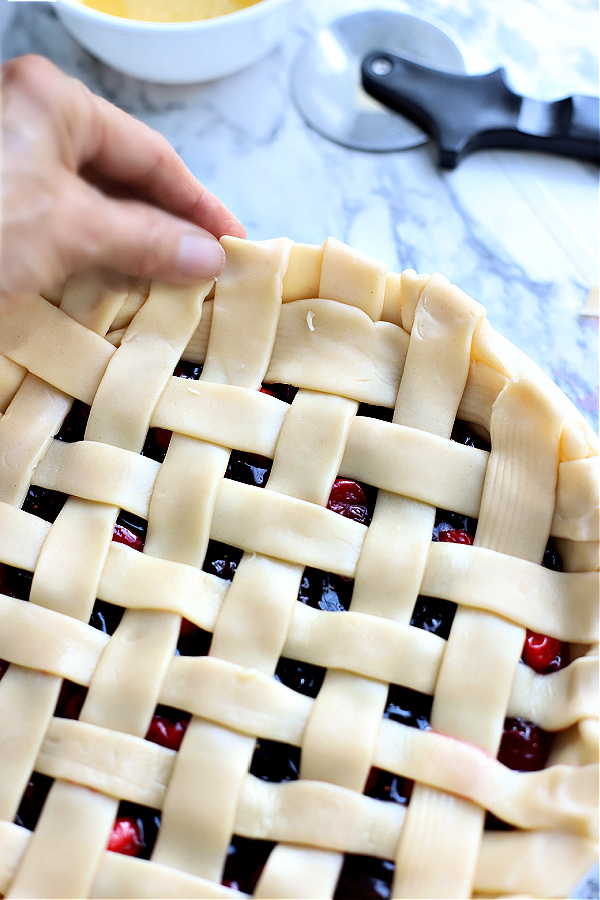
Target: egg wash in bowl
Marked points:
167	10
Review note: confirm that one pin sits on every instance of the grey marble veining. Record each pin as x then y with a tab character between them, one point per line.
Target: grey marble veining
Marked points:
518	231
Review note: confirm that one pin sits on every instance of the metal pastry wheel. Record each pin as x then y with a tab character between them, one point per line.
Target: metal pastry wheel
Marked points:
326	77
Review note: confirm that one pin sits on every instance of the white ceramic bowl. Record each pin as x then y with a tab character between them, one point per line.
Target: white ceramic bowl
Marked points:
182	52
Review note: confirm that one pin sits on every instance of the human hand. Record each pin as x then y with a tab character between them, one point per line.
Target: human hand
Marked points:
86	185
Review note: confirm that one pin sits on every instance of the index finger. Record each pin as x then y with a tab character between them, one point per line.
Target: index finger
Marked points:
94	134
130	152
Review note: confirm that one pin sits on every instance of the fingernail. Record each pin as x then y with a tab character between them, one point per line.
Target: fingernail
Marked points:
200	257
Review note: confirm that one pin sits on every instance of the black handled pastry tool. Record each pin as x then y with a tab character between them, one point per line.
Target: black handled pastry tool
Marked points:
463	113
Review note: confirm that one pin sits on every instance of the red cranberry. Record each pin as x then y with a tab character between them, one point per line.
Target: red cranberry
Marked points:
3	667
448	521
124	535
126	837
454	536
167	729
544	654
162	436
285	392
524	746
349	499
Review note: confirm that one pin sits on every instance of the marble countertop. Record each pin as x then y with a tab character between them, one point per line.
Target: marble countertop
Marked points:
516	230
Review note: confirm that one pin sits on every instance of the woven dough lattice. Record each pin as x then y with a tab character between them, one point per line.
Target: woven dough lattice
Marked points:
351	337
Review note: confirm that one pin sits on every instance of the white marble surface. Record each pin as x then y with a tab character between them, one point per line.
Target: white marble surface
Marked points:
518	231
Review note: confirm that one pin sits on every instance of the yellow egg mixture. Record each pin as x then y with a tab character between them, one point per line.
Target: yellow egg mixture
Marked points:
168	10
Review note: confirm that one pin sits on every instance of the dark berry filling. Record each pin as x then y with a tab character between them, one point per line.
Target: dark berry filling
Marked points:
245	861
156	444
43	503
221	560
285	392
275	761
15	582
74	425
365	878
130	530
383	785
524	745
248	468
187	369
168	727
304	678
70	700
33	800
375	412
408	707
3	667
434	614
106	617
463	433
193	641
324	590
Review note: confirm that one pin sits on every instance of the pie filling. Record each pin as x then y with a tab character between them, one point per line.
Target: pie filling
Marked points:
524	745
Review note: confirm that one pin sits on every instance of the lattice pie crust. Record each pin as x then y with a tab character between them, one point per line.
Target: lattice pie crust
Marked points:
337	325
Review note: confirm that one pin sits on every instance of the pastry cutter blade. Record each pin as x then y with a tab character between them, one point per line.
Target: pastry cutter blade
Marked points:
326	83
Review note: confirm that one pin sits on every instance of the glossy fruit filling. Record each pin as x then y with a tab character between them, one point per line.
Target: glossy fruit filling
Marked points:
524	745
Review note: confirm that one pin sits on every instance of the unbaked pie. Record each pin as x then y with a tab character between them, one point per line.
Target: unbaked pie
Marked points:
298	592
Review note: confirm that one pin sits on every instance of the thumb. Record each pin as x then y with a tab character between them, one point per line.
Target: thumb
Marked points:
138	239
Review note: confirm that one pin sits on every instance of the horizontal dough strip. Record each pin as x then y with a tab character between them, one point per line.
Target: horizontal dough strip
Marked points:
558	700
118	875
21	537
42	639
117	764
126	876
99	472
140	581
222	414
556	798
320	815
131	768
137	580
367	357
303	812
285	528
365	645
563	605
61	351
540	864
415	464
